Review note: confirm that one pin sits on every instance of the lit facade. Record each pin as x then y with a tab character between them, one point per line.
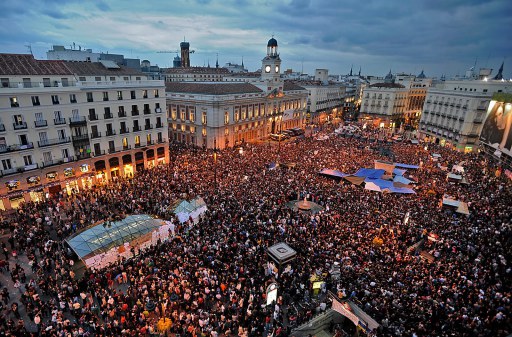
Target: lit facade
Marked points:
454	111
66	126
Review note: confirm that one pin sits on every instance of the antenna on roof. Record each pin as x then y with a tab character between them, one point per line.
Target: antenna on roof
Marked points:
29	47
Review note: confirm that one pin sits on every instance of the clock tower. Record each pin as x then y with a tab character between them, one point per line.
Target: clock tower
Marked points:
271	65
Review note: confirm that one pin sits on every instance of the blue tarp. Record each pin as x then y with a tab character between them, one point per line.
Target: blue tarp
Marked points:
401	179
407	166
370	173
333	173
399	172
271	166
389	185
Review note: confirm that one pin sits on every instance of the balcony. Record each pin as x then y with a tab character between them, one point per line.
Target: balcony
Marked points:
158	110
77	120
137	145
99	153
108	116
40	124
150	142
16	147
147	111
112	150
95	135
20	126
2	128
59	121
464	107
136	128
57	161
161	140
111	133
481	108
55	141
478	121
135	112
93	117
82	156
80	138
148	126
125	130
159	125
121	114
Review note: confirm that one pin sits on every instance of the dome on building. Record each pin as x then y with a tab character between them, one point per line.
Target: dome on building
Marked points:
272	43
422	75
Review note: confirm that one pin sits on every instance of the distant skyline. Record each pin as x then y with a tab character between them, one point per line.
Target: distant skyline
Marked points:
437	36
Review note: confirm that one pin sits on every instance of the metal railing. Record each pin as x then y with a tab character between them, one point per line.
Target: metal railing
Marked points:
59	121
95	135
20	126
40	124
77	120
121	114
108	115
55	141
16	147
78	138
93	117
148	126
111	133
125	130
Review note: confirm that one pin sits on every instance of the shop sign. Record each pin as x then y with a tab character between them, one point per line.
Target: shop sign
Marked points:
12	184
53	184
68	172
33	180
51	175
15	195
84	168
36	189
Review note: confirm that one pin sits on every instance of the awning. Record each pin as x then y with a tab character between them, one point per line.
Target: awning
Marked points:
332	173
369	173
355	180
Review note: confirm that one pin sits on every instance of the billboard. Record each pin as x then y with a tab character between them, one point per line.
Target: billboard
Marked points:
497	128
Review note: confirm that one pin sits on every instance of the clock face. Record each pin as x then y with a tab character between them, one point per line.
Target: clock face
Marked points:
267	69
277	69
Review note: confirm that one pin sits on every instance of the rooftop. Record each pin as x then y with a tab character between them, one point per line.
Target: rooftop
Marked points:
289	86
197	70
387	85
212	88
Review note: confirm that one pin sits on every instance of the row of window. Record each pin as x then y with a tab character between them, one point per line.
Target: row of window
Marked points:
90	97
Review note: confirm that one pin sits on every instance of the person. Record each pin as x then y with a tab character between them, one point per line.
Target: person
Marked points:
494	126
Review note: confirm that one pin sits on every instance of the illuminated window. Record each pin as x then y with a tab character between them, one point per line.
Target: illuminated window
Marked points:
226	117
148	138
226	131
192	129
183	127
204	132
244	112
192	114
203	118
182	114
137	140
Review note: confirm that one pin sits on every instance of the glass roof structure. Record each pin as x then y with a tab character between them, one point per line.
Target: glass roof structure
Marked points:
101	237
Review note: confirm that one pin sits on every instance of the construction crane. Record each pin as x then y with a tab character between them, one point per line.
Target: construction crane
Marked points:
174	51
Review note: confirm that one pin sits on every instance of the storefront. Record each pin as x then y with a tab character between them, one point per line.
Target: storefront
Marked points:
37	194
150	155
100	167
114	167
86	178
16	199
160	154
71	186
139	161
127	166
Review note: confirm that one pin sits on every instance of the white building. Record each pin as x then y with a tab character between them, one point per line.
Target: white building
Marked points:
226	113
70	125
196	74
454	111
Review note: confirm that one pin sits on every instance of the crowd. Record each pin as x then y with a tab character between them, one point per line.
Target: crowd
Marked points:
211	278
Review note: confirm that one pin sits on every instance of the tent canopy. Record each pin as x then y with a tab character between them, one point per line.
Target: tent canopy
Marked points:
332	173
103	236
370	173
407	166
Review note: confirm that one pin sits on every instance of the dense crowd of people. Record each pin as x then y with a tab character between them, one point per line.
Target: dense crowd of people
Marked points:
210	279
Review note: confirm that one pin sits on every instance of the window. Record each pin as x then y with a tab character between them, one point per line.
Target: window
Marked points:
14	102
47	157
204	119
485	90
132	94
97	78
18	120
62	134
5	82
137	140
55	99
192	114
111	146
65	153
144	94
126	78
92	114
156	94
125	142
72	98
105	95
182	114
136	125
94	131
119	95
97	149
82	79
89	97
65	82
137	78
28	160
35	100
46	82
107	113
226	117
112	78
148	138
6	164
204	132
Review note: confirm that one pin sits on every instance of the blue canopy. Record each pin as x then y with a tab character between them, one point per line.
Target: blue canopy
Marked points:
390	186
332	173
370	173
271	166
398	172
401	179
407	166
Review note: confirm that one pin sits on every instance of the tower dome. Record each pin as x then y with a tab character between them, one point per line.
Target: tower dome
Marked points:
272	43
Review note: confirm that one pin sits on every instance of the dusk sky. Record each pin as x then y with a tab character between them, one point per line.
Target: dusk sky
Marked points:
439	36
